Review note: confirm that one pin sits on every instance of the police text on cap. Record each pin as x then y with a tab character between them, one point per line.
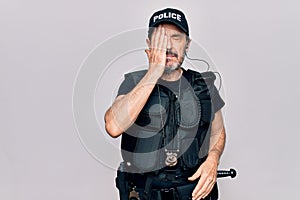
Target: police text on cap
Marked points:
167	15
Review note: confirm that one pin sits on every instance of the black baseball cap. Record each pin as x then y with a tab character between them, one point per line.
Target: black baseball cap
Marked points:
170	15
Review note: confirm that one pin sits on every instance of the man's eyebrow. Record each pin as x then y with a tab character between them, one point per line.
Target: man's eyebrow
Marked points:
176	35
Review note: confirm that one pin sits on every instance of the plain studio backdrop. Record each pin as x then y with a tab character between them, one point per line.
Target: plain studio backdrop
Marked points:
254	44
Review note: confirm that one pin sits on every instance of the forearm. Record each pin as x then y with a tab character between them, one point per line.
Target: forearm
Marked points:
217	146
217	138
124	111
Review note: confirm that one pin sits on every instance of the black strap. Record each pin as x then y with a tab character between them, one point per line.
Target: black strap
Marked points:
148	188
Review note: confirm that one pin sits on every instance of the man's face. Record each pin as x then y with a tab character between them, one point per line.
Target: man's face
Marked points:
176	47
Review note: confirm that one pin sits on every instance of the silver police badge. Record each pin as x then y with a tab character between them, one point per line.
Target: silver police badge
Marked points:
171	159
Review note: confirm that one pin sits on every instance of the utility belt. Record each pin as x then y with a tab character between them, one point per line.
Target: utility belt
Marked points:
183	192
164	185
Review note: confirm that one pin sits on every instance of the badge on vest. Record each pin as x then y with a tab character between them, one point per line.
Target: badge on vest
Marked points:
171	159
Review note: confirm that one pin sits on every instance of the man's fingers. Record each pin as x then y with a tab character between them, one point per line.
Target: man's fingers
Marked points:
209	189
164	43
153	37
192	178
203	190
204	186
161	39
155	41
148	53
198	187
196	174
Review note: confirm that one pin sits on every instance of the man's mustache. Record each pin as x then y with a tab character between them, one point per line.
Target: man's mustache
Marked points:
170	52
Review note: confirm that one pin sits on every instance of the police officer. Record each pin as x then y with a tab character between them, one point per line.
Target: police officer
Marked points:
170	120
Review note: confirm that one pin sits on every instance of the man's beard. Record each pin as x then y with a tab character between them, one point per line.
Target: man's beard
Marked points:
173	67
169	70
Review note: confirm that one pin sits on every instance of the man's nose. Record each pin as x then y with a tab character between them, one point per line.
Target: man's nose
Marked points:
169	43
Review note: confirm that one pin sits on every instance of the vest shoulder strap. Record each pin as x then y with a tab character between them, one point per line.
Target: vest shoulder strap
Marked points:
195	77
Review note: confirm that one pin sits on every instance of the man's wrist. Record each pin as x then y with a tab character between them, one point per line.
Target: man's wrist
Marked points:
153	75
214	155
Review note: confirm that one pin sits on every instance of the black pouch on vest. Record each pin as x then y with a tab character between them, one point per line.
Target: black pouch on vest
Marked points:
190	156
185	192
147	160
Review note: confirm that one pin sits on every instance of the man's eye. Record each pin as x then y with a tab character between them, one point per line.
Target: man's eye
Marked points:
176	37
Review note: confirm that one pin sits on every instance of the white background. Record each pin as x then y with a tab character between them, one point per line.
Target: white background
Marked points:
254	44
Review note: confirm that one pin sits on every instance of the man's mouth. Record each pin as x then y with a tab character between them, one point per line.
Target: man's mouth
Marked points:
171	55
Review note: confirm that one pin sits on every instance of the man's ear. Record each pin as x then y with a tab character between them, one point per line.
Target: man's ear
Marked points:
187	46
148	43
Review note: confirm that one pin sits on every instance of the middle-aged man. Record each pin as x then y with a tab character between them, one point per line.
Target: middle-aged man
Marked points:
170	120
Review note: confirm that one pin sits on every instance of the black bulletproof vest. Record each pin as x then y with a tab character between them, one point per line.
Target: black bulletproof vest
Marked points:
171	122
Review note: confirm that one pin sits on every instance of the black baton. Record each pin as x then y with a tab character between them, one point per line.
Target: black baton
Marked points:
225	173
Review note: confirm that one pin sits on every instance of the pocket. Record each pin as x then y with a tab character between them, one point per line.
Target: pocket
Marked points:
190	156
147	151
185	191
188	110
